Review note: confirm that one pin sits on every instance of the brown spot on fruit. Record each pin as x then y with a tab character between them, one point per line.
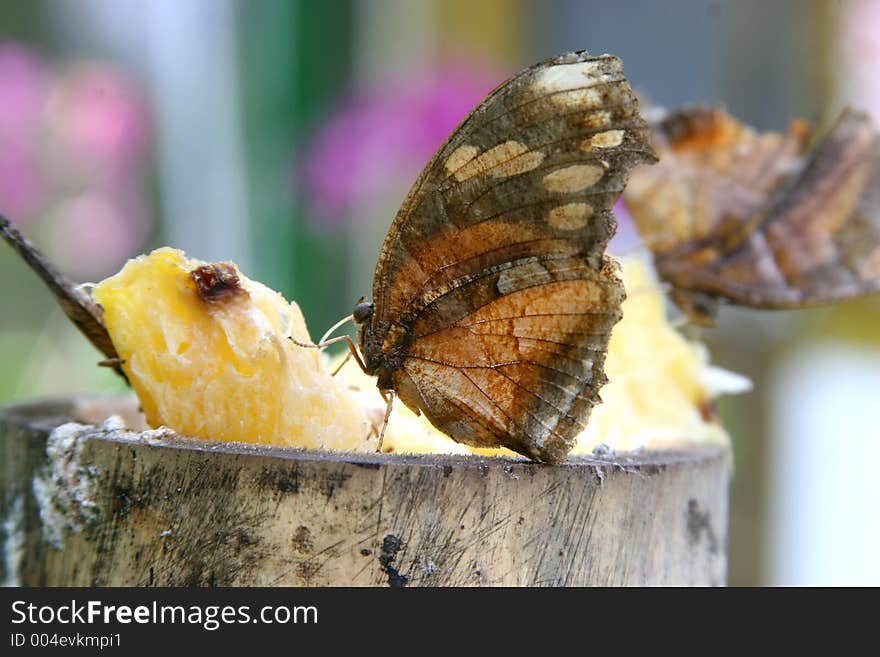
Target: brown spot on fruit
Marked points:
217	281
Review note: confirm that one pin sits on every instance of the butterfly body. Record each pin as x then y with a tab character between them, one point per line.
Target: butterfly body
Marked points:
492	297
760	220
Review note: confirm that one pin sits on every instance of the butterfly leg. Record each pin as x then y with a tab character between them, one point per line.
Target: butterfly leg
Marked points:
342	364
326	343
388	396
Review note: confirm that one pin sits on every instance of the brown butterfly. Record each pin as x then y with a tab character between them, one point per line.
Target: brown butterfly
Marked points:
760	220
492	298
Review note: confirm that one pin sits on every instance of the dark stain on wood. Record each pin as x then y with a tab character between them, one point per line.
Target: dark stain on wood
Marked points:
302	539
284	480
332	481
391	545
699	523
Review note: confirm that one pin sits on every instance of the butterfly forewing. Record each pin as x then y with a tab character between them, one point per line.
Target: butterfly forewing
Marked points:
755	219
493	299
545	153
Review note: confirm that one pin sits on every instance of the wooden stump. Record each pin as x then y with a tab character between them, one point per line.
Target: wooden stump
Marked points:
86	504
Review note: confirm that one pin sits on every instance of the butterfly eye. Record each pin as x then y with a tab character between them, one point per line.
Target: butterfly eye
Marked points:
362	312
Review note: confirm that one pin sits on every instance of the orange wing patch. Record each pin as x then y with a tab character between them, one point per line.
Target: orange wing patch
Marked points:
525	362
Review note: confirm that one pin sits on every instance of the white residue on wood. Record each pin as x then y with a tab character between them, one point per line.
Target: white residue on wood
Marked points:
65	487
13	541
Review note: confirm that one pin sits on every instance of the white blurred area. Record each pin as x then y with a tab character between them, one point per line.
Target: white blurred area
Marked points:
823	489
822	486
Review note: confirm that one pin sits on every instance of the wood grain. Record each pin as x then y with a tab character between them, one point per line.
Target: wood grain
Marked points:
101	506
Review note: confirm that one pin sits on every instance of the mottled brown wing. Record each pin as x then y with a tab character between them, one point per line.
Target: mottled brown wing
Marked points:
493	301
756	220
523	365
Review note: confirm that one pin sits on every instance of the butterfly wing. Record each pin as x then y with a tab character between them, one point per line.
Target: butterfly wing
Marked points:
757	219
517	358
493	301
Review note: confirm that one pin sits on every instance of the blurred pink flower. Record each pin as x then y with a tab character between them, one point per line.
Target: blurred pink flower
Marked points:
627	238
114	222
386	134
23	83
73	155
97	115
22	192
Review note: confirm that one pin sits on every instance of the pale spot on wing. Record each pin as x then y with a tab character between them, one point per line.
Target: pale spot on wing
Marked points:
573	178
607	139
522	164
508	159
598	120
581	98
569	76
460	156
570	216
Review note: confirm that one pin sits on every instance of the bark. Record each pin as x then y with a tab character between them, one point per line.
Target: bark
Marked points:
86	504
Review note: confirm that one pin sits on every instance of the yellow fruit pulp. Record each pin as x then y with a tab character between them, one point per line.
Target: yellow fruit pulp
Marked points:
226	370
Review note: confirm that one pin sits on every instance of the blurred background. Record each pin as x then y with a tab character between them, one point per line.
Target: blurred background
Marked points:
283	135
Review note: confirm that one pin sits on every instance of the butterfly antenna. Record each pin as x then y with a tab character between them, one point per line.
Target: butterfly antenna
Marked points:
326	341
330	330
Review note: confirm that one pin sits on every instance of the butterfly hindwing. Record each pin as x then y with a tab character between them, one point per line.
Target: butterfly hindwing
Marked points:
525	367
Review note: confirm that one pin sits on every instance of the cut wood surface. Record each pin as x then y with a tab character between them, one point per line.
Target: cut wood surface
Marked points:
92	503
